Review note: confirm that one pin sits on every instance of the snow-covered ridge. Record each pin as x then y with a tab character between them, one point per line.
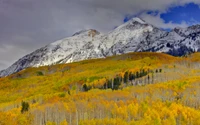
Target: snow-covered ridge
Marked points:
132	36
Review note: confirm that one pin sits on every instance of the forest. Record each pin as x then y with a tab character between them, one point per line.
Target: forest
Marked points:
131	89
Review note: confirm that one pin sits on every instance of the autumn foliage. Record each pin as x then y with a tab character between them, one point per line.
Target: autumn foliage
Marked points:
131	89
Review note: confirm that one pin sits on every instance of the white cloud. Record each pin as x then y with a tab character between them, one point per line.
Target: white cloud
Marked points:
160	23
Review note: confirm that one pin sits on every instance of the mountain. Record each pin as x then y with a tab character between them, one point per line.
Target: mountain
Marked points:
133	36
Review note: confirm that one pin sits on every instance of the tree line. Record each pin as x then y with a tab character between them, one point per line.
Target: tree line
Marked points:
119	81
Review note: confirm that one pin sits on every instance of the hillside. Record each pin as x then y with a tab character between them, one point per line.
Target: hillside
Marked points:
129	89
58	77
136	35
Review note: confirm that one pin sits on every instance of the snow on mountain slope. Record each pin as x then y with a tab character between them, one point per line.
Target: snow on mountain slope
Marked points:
90	50
52	53
133	36
123	39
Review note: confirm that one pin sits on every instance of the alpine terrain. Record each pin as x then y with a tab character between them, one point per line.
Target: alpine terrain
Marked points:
133	36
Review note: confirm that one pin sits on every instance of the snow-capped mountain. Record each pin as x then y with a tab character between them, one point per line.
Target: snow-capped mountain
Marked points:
133	36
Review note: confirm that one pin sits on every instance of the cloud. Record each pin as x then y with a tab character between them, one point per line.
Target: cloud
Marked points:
157	21
26	25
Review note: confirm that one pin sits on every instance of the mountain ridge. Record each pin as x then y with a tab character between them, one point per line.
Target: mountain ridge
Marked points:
133	36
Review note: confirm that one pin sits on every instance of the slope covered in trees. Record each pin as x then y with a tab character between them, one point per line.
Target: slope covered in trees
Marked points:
130	89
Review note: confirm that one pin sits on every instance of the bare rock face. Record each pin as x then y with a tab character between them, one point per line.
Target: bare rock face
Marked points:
133	36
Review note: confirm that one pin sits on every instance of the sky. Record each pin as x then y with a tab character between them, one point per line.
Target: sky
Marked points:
27	25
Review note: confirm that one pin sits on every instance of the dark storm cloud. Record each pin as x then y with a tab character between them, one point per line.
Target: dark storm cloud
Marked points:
26	25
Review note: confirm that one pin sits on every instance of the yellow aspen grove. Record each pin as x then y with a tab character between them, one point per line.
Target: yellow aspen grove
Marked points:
130	89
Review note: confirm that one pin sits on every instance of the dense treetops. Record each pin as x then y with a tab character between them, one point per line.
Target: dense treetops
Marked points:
130	89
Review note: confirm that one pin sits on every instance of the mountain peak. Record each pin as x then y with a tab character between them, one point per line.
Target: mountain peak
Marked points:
137	19
87	32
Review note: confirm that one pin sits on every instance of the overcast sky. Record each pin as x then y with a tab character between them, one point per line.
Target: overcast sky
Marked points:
26	25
